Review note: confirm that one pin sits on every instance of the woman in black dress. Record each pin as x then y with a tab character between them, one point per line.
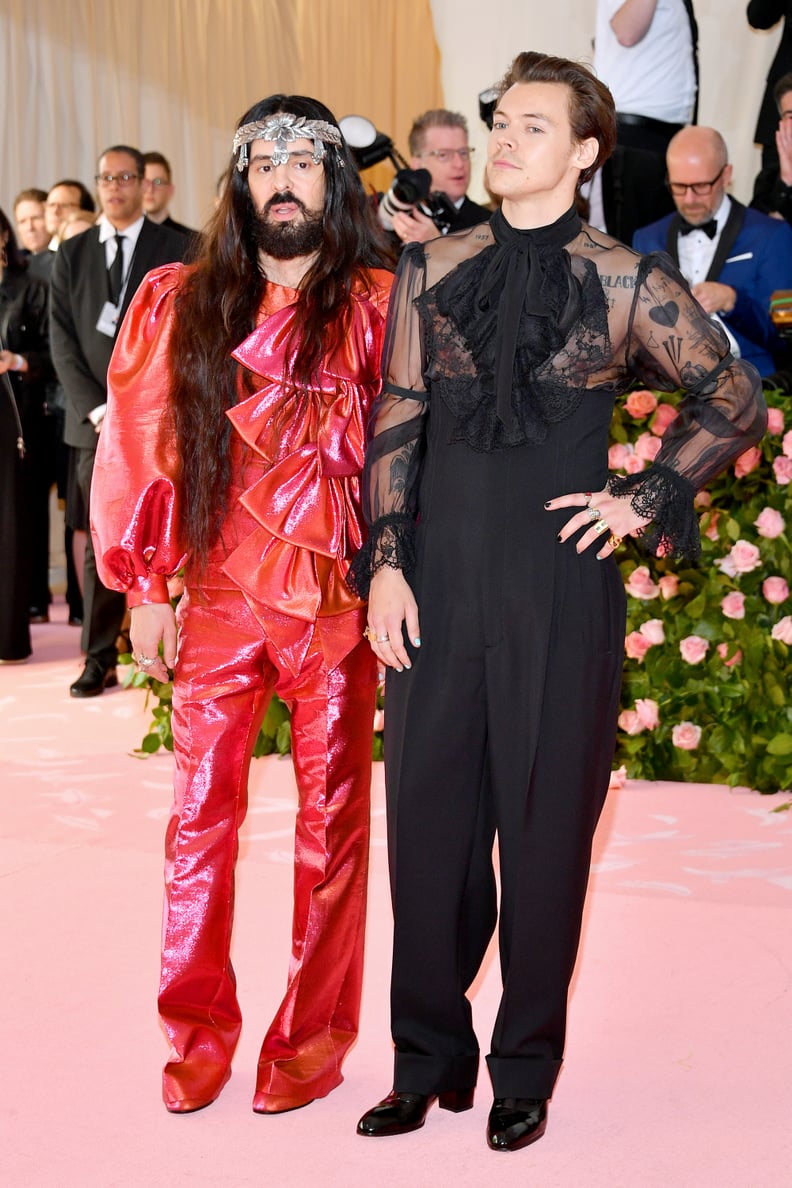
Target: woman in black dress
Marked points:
495	599
25	367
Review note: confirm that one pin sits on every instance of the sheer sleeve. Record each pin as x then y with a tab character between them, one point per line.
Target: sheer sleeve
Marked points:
134	503
395	433
671	343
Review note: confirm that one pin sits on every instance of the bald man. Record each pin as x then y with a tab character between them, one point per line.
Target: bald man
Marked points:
732	257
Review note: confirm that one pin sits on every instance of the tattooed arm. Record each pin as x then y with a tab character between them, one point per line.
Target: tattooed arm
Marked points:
672	344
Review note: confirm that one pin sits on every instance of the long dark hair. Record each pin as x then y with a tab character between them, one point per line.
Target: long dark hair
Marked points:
216	310
14	260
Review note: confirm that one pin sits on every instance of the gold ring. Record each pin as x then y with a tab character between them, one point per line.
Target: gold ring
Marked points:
369	634
600	527
614	541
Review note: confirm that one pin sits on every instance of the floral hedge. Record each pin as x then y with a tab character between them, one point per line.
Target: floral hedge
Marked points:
707	654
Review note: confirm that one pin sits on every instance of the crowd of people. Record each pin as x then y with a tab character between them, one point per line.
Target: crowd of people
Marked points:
355	471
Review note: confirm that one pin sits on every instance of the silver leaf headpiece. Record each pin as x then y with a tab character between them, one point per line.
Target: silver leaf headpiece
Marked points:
281	129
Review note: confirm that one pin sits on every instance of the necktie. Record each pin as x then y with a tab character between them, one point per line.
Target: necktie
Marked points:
709	228
115	273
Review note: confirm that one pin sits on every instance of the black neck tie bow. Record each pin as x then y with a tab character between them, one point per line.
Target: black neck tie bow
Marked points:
709	228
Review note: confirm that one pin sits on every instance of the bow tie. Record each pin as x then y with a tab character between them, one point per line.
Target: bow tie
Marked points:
709	228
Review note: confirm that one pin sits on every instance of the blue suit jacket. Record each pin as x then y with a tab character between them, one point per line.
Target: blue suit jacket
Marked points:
754	256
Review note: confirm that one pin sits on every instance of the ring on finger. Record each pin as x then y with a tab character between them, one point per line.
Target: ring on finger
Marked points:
382	638
146	661
593	513
615	541
600	527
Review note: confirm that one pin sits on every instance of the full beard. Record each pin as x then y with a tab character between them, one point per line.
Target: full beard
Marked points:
286	241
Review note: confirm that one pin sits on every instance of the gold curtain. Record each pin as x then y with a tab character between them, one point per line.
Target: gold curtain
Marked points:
176	75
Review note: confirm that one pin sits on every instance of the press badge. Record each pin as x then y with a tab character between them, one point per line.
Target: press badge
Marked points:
108	319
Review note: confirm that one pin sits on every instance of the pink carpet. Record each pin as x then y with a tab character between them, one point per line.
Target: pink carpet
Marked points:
679	1059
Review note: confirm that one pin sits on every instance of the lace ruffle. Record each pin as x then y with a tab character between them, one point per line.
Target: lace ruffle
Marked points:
665	497
463	364
391	542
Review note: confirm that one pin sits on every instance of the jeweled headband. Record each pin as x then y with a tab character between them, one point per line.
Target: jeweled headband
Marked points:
281	129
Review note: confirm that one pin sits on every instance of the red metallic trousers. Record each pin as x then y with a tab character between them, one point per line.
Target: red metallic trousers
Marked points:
226	673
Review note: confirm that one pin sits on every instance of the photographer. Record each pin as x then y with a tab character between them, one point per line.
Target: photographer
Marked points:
438	143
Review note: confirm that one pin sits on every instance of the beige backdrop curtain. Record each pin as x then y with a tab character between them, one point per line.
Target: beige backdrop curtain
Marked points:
175	75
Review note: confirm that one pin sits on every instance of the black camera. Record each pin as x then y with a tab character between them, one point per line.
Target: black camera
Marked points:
411	190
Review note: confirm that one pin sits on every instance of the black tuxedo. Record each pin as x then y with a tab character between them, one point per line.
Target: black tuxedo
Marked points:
81	354
78	291
469	214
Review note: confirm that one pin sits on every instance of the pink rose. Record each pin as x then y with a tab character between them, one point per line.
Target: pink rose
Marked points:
379	721
648	447
742	558
775	590
733	605
639	404
693	648
618	778
686	736
648	711
702	499
770	523
723	651
747	462
630	722
653	630
711	531
775	421
783	630
634	464
782	469
666	413
669	586
640	585
618	455
786	444
636	646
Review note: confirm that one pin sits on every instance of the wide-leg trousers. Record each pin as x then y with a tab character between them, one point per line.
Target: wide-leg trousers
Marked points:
226	673
506	726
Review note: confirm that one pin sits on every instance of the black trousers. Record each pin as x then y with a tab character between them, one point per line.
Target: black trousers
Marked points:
634	192
478	743
103	609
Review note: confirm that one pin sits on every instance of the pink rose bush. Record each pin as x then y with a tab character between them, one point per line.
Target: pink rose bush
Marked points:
706	689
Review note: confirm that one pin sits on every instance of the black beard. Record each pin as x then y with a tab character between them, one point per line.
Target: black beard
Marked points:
286	241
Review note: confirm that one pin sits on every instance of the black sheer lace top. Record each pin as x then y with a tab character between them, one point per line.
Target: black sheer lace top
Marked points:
512	330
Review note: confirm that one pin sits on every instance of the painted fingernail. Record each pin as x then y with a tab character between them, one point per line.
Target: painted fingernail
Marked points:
417	641
548	503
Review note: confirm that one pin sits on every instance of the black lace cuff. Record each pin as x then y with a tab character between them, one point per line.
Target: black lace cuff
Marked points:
391	541
665	497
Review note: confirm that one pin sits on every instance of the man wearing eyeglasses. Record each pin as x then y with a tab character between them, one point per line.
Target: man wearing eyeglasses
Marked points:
158	191
732	257
94	277
438	142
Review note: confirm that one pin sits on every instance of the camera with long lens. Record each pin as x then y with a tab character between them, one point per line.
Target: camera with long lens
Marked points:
411	190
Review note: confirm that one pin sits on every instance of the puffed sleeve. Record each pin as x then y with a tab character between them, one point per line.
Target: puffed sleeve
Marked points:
134	499
671	344
395	433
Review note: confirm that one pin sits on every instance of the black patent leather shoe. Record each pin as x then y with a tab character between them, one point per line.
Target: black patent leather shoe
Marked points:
399	1113
94	680
514	1122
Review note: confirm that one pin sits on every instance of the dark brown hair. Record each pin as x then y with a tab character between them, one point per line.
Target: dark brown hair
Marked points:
216	310
592	112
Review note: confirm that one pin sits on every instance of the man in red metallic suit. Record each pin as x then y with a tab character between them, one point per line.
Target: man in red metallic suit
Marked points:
232	447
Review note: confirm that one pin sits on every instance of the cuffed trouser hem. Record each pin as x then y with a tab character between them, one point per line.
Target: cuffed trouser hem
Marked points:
415	1073
523	1076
